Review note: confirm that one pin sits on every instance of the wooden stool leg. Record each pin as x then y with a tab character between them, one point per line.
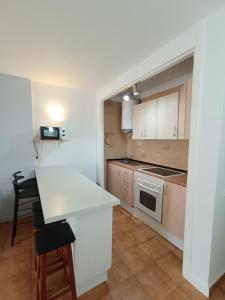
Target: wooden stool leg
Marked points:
41	277
15	216
71	276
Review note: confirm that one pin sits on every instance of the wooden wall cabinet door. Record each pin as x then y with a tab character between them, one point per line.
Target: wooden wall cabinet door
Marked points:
174	203
167	116
150	119
185	110
138	121
112	180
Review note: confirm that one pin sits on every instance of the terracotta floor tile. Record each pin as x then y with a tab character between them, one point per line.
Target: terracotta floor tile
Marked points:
178	253
136	259
178	295
218	295
193	293
129	290
118	274
172	266
141	233
222	284
121	243
16	287
99	293
165	243
128	223
154	249
156	282
15	266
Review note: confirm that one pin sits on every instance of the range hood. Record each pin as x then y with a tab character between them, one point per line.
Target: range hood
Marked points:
127	115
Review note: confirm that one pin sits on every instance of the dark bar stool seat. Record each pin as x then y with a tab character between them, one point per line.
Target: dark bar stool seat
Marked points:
28	183
59	236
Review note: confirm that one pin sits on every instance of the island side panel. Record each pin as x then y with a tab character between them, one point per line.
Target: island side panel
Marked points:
93	247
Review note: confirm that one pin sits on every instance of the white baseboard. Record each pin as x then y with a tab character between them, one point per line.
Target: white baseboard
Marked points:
128	208
158	228
197	284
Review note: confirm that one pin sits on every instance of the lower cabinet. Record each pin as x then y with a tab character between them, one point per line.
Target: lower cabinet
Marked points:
174	203
120	183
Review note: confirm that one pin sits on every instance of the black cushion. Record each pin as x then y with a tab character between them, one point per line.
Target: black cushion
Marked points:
53	237
28	183
38	220
28	193
36	207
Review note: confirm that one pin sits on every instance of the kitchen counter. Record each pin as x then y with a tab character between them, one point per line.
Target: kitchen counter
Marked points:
131	167
65	193
178	179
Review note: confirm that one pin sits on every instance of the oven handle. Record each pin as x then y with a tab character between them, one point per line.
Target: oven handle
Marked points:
148	188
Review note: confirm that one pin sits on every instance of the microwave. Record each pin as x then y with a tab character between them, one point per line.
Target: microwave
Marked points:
51	133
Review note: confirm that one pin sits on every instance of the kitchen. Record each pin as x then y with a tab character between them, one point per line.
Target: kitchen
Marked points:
146	149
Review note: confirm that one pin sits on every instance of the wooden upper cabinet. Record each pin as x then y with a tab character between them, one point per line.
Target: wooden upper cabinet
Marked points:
185	110
150	119
188	109
174	204
138	121
167	116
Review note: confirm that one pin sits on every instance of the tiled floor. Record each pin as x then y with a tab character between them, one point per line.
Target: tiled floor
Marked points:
145	266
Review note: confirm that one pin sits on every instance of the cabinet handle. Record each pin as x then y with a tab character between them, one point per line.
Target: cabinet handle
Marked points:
165	189
174	130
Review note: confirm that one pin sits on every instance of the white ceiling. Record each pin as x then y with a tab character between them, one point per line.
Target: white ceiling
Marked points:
87	43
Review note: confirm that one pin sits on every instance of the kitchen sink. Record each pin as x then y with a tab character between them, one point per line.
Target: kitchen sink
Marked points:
129	162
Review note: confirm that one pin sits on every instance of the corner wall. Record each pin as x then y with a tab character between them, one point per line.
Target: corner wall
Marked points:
75	111
16	149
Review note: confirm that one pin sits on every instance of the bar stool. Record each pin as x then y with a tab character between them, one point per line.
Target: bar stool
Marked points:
31	182
59	236
24	195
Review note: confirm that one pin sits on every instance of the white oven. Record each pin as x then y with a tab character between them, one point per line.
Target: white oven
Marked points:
148	195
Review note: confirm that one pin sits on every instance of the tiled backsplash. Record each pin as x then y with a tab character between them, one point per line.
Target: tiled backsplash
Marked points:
168	153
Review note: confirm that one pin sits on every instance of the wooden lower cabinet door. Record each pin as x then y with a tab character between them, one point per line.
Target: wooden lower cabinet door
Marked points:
112	179
174	203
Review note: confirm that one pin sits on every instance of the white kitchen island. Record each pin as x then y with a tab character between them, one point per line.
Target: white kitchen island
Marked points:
66	194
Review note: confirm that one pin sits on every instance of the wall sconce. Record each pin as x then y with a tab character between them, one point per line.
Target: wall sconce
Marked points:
56	113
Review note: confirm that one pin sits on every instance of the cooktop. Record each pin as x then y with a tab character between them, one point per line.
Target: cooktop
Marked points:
162	171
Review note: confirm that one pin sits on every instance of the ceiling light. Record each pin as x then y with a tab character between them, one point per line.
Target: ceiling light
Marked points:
126	97
135	91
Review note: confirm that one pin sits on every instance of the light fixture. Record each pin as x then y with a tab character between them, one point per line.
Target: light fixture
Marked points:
126	97
135	91
56	113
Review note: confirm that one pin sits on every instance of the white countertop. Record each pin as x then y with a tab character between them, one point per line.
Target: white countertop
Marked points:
64	192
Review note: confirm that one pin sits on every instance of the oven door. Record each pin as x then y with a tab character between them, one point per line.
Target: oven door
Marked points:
149	200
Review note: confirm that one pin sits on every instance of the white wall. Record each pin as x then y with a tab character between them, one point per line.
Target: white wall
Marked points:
16	148
204	259
204	155
79	112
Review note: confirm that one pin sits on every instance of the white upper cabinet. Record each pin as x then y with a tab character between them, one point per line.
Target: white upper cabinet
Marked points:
150	119
167	116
